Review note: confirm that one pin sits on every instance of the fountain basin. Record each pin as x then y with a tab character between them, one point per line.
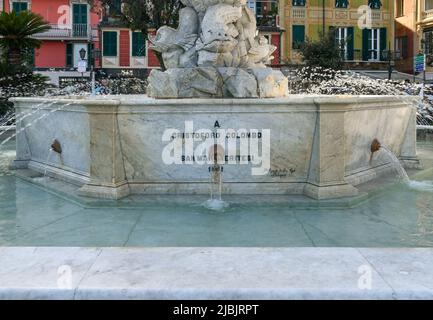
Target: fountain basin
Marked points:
113	146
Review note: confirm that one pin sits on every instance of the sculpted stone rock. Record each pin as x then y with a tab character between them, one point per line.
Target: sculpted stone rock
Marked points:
185	83
271	83
215	34
162	85
238	83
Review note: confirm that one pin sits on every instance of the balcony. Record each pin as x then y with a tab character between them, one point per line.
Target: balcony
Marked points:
76	31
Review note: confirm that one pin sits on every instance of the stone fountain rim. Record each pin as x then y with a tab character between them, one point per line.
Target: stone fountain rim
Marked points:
125	100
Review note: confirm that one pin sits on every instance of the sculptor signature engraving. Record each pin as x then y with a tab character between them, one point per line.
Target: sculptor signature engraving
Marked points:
281	173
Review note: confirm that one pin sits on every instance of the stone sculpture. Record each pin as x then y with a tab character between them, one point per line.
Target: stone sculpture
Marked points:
215	52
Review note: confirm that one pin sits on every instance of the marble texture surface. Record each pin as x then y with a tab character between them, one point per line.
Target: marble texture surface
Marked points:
217	273
321	144
214	34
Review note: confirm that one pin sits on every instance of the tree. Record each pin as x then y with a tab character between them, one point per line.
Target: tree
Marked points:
324	53
16	31
143	15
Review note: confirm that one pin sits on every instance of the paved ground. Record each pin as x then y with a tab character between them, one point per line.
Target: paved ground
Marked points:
215	273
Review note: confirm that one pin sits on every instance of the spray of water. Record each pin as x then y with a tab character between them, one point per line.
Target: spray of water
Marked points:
424	186
397	165
35	121
23	115
216	181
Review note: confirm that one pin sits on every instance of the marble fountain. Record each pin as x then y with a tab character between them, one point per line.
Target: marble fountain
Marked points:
216	91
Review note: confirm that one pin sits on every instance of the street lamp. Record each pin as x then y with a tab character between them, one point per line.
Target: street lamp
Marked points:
82	53
94	54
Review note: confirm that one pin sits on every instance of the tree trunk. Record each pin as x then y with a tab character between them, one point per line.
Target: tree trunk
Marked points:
14	56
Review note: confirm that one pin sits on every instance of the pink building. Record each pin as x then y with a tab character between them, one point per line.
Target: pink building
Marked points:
73	27
76	26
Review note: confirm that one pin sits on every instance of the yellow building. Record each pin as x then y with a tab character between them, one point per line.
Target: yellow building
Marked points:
367	26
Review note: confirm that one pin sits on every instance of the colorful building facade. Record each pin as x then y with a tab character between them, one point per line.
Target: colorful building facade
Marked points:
76	26
404	26
414	32
73	27
364	37
123	48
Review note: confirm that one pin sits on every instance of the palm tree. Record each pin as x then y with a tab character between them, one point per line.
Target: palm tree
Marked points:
16	31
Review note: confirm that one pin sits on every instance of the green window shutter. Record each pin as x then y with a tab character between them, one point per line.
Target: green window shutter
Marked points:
79	19
79	13
90	56
298	36
341	3
69	55
333	30
19	6
350	43
365	33
383	41
109	43
298	3
138	45
374	4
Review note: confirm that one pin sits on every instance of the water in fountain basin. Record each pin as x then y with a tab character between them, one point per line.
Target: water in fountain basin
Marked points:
34	121
426	186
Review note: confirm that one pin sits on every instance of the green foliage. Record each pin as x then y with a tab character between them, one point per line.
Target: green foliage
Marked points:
144	14
324	53
19	81
16	31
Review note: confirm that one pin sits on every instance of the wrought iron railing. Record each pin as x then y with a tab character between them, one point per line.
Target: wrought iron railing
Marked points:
74	31
80	30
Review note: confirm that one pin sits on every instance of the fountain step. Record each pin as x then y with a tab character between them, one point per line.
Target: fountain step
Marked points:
236	273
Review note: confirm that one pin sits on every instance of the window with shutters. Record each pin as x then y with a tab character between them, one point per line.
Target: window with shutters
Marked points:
299	3
138	44
374	44
341	36
109	39
375	4
298	36
19	6
341	3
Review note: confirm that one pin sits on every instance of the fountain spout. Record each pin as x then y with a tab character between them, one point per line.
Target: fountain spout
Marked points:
375	146
56	147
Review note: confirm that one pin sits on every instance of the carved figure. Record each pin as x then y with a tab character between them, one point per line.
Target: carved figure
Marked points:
178	45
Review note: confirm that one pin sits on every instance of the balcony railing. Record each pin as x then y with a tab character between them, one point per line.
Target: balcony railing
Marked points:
80	30
77	30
